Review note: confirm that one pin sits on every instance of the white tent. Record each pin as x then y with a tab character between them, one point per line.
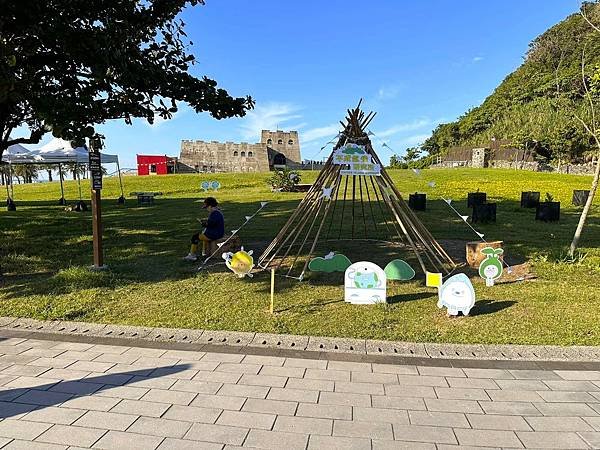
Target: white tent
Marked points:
57	151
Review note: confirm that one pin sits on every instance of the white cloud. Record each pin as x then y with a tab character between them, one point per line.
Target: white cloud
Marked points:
412	141
268	116
478	59
314	134
388	92
403	127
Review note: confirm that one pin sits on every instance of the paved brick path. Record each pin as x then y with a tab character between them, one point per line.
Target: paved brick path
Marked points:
57	395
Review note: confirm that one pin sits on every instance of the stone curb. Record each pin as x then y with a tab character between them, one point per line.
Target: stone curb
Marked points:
314	344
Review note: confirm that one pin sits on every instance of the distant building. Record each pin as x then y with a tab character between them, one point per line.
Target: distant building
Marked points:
276	149
156	164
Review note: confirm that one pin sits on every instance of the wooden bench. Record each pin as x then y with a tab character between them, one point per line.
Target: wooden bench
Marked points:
145	198
233	245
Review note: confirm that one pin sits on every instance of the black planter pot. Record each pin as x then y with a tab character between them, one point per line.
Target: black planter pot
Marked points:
580	197
62	201
530	199
548	211
484	213
476	198
121	200
10	205
417	202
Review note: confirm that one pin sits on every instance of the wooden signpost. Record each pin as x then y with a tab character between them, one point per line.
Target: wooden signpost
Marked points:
96	180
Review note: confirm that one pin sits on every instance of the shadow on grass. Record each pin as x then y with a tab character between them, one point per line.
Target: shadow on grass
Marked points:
403	298
27	399
484	307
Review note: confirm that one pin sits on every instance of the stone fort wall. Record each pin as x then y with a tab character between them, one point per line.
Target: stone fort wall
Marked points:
242	157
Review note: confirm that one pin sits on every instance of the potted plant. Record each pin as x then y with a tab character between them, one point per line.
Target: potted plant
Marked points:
484	213
530	199
548	210
417	202
580	197
284	180
476	198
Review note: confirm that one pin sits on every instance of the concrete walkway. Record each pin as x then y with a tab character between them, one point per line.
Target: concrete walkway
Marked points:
57	394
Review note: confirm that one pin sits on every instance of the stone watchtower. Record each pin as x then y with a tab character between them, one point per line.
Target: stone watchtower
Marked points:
283	147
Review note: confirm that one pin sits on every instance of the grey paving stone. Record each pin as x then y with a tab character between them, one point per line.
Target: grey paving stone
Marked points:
160	427
239	368
359	388
141	408
567	397
196	386
222	357
408	403
441	371
573	386
9	394
324	411
192	414
565	409
246	419
184	444
343	398
118	440
461	406
219	377
368	377
438	419
263	380
276	361
177	371
420	380
22	429
331	375
510	408
87	355
127	392
410	391
534	375
24	370
293	395
217	433
310	385
305	363
35	397
472	383
350	365
93	403
498	374
112	379
240	390
304	425
294	372
515	396
316	442
75	387
393	368
401	445
106	420
558	424
66	374
150	382
70	435
363	414
461	393
170	396
592	438
487	438
278	407
522	385
418	433
62	416
276	440
355	428
550	439
219	402
594	422
51	362
578	375
29	445
498	422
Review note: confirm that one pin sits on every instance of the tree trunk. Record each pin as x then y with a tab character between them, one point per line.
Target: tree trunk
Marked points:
586	210
49	174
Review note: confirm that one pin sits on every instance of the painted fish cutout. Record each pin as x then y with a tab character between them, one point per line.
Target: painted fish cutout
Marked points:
241	263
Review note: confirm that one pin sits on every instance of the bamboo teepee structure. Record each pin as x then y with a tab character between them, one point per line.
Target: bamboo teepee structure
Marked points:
346	204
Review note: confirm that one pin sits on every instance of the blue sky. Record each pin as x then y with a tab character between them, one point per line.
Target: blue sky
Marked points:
416	62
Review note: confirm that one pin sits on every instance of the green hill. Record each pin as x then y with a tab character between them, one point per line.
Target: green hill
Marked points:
535	106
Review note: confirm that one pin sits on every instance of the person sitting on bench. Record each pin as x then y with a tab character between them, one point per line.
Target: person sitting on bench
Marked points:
214	228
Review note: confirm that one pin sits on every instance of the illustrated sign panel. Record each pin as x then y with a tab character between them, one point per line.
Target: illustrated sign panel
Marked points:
357	159
365	284
95	170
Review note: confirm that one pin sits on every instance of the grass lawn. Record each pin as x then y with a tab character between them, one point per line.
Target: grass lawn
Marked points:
45	253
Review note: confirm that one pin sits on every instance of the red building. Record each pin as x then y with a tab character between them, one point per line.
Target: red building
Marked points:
155	164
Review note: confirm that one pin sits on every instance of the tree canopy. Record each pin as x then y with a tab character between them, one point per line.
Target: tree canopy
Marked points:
67	65
537	103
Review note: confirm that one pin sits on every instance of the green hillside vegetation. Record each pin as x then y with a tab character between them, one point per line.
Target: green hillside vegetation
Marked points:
535	106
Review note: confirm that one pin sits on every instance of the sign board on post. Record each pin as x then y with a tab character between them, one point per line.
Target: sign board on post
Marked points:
95	170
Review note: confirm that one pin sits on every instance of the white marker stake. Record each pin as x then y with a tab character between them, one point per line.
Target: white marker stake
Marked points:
272	289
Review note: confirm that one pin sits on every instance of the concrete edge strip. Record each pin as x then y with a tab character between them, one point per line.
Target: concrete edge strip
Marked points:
246	342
